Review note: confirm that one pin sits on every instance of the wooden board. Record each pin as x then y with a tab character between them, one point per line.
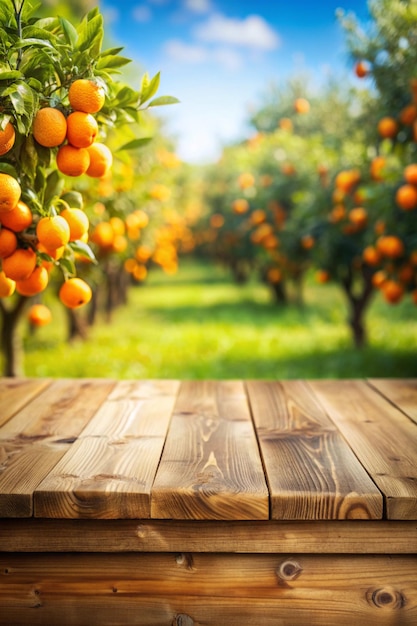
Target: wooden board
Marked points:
108	472
401	392
210	467
36	437
15	393
311	471
258	536
381	436
211	589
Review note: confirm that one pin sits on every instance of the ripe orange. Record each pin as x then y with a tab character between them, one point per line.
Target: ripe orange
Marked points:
387	127
337	213
240	205
49	127
17	219
392	291
103	235
322	276
54	254
86	95
82	129
379	278
377	167
77	221
347	179
75	292
101	160
390	246
53	232
361	69
9	192
406	197
118	225
20	264
7	138
285	123
33	284
246	180
7	286
307	242
410	174
408	114
143	253
371	256
274	275
8	242
257	217
358	216
39	315
72	161
301	105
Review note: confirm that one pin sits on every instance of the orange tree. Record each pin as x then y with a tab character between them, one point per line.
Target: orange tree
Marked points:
57	98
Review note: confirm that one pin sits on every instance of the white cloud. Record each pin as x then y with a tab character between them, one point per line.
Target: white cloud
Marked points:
227	57
252	32
198	6
142	13
186	53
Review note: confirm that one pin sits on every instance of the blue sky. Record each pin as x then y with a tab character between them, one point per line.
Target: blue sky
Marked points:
219	56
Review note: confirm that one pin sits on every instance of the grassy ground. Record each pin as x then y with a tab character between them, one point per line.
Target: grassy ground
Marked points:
198	324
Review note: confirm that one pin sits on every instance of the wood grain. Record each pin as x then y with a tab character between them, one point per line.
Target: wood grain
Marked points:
210	468
15	393
400	392
381	436
67	588
259	536
36	437
311	471
109	471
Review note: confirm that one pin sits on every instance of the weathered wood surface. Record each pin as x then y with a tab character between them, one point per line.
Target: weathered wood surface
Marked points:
257	536
208	589
208	450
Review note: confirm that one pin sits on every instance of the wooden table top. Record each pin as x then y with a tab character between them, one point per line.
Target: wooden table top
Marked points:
208	450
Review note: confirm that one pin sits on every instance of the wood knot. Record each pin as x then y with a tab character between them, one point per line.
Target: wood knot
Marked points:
289	570
185	559
182	620
386	598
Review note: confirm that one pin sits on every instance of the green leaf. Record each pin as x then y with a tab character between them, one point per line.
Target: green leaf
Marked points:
149	87
6	168
135	143
68	266
70	32
90	35
111	52
162	100
109	62
83	249
33	32
54	187
11	75
33	41
74	199
28	157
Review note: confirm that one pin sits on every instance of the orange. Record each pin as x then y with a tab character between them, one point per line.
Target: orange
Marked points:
49	127
240	205
322	276
361	69
75	292
9	192
39	315
82	129
7	286
77	221
410	174
119	244
118	225
33	284
371	256
246	180
337	213
379	278
72	161
379	227
406	273
143	253
390	246
101	160
377	167
285	123
301	105
392	291
408	114
86	95
7	138
8	242
307	242
103	235
414	296
54	254
406	197
17	219
139	272
387	127
257	217
413	258
347	179
358	216
53	232
20	264
274	275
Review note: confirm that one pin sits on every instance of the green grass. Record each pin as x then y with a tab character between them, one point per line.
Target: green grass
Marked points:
199	324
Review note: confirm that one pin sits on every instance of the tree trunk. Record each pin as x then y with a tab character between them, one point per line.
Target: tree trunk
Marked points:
76	326
358	303
11	341
280	293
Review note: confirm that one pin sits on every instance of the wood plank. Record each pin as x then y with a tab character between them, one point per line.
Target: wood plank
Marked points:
401	392
311	471
381	436
209	589
34	440
211	468
15	393
259	536
109	471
